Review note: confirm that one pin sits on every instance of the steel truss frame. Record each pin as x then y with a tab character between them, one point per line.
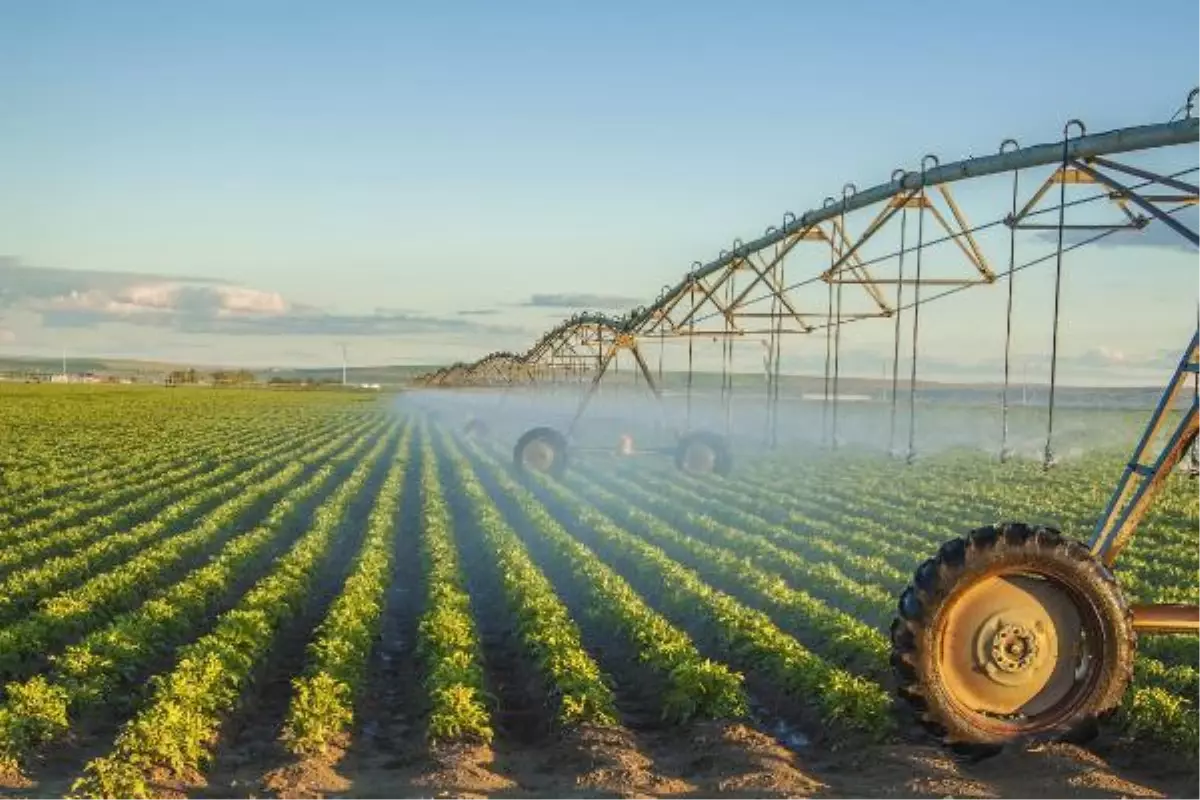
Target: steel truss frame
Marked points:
746	292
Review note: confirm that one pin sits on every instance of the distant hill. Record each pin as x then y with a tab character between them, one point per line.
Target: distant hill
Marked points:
385	375
388	375
394	376
121	367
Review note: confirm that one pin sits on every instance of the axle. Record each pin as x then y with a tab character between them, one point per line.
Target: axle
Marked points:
1166	618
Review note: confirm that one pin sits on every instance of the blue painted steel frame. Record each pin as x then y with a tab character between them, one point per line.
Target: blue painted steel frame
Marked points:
1140	481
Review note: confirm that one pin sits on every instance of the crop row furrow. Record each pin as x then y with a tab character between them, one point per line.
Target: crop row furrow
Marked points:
759	579
543	624
93	672
177	729
110	517
321	711
98	492
890	556
841	699
654	513
696	687
23	643
447	640
95	459
131	460
1156	580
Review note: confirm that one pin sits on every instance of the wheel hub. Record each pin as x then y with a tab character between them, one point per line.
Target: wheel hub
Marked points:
1013	648
538	455
1014	651
699	458
1010	646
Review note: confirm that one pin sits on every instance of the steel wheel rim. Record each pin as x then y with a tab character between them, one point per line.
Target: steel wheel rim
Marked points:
1018	651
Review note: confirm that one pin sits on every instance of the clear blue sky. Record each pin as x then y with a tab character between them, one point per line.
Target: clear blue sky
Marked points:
443	157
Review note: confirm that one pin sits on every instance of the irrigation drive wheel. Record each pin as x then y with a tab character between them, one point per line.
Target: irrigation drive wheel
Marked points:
476	427
543	450
1012	634
703	452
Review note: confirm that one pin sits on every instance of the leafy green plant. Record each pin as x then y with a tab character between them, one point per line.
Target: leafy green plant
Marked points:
322	707
177	729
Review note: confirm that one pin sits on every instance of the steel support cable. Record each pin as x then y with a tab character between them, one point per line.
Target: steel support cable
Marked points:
1048	456
869	197
1001	276
1012	256
1124	140
972	230
896	333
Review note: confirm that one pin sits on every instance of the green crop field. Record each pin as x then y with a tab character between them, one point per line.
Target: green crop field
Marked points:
209	592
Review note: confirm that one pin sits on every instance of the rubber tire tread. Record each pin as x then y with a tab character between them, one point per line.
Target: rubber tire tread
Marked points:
550	436
723	463
964	560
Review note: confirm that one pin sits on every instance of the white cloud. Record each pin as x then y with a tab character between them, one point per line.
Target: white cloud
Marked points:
107	314
158	297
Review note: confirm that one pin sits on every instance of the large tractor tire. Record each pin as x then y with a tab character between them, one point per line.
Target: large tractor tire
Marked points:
1012	634
703	453
541	450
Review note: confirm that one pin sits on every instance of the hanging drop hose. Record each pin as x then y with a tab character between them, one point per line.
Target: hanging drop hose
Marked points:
1048	459
777	352
729	400
727	357
770	368
896	333
848	191
837	351
1005	452
1194	458
778	343
662	338
911	456
775	359
691	346
828	354
828	334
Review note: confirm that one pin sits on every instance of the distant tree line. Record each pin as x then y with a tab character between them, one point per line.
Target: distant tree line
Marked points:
183	377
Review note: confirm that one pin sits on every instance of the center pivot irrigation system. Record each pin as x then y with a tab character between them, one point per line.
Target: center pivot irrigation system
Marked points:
1013	632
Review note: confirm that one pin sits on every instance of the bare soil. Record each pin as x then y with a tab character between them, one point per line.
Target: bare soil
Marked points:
703	760
720	760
